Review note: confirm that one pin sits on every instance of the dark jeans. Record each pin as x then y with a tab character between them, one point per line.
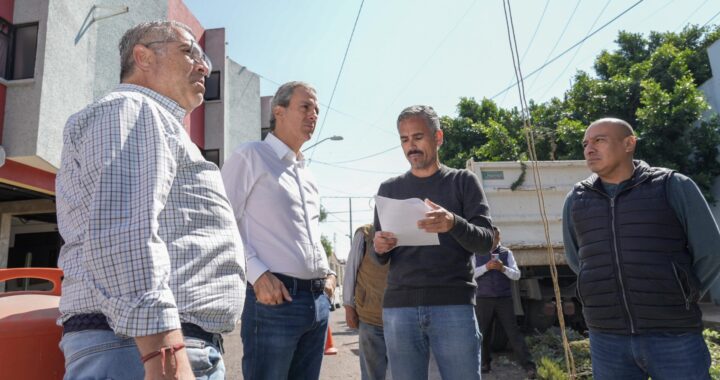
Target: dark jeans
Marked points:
285	341
487	309
662	356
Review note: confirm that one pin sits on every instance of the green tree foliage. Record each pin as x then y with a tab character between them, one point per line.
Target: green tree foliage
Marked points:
651	82
327	245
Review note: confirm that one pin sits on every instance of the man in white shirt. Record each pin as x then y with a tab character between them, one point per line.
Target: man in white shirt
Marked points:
493	298
277	207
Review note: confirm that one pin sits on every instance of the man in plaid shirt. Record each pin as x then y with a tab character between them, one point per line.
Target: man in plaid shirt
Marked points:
153	261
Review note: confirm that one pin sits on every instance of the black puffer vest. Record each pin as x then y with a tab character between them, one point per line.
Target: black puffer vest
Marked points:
635	269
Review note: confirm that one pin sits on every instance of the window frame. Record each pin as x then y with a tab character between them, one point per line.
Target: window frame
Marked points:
9	30
218	95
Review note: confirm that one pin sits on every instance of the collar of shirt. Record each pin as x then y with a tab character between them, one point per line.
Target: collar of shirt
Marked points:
172	106
283	151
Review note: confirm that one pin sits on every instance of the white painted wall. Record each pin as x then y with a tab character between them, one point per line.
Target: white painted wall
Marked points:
516	212
242	106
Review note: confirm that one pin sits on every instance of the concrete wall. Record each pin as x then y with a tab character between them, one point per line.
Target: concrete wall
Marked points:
22	108
215	115
711	88
109	32
242	106
68	71
82	63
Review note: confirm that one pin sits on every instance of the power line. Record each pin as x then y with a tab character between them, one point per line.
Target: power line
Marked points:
562	34
357	170
568	49
337	80
569	360
691	14
576	52
325	105
427	60
365	157
537	27
532	39
711	18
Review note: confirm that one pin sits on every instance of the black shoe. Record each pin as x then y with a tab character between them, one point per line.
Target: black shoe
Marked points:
531	372
485	368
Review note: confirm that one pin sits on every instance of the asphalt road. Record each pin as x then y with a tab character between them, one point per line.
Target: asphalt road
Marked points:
345	365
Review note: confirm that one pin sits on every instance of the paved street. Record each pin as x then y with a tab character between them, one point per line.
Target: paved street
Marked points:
345	365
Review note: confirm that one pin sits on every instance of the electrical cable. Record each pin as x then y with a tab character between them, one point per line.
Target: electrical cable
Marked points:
548	88
528	129
337	80
562	34
357	170
568	49
364	157
532	39
425	62
711	18
682	24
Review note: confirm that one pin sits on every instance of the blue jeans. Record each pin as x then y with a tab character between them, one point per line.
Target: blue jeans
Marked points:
450	331
100	354
662	356
373	355
285	341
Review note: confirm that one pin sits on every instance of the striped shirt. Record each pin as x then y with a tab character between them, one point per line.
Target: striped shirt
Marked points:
150	238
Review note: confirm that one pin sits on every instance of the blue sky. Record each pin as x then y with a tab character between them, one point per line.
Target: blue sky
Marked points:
406	52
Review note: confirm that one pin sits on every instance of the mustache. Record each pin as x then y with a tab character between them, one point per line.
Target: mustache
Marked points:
414	151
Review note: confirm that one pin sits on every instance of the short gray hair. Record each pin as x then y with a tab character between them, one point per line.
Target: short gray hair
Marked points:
160	30
283	95
427	113
627	129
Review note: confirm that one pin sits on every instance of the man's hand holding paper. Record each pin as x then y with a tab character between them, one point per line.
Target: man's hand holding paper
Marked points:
437	220
409	222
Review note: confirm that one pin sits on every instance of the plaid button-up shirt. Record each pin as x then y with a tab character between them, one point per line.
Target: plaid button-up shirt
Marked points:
150	237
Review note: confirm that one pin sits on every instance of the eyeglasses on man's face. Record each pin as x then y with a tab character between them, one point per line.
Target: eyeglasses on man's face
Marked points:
192	50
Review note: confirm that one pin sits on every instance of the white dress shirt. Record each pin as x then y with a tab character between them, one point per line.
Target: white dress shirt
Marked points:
277	208
511	269
150	239
355	257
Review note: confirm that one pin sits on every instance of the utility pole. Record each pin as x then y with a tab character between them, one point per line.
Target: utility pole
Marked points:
350	221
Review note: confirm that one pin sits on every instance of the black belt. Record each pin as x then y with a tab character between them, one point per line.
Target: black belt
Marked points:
97	321
314	285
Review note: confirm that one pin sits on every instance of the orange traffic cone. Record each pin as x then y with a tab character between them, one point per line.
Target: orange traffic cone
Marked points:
329	345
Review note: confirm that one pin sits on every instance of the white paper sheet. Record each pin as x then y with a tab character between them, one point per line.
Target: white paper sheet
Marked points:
401	216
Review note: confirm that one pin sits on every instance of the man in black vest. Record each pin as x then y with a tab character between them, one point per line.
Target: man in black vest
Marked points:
645	247
493	298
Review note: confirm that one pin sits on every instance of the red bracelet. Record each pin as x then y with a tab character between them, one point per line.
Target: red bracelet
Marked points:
161	352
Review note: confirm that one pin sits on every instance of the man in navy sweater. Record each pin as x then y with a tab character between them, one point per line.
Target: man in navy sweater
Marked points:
429	299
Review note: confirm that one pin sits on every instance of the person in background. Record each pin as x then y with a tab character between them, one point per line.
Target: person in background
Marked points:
363	288
494	302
